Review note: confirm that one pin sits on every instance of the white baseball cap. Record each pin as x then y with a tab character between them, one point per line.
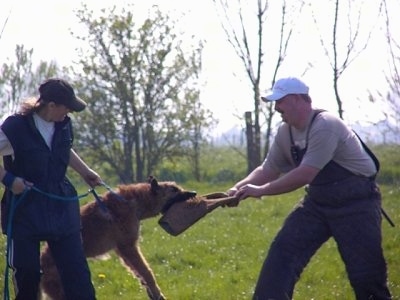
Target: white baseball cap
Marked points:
284	87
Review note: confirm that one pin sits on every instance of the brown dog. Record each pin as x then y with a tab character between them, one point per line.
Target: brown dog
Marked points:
117	228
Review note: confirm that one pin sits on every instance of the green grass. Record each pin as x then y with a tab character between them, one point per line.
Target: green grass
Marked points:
220	256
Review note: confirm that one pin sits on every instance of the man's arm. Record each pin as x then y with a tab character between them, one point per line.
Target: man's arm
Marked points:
291	181
259	176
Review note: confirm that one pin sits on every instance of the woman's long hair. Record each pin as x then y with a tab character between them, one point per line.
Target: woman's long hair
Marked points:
30	106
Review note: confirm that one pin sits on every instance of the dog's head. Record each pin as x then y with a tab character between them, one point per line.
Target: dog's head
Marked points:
147	198
170	192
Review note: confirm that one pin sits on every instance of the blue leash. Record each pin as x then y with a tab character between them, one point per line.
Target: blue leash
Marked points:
17	199
101	203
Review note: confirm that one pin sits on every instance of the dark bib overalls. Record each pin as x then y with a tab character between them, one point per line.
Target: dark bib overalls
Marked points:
337	204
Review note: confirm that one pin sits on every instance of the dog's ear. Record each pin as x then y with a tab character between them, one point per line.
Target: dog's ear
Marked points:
153	183
151	178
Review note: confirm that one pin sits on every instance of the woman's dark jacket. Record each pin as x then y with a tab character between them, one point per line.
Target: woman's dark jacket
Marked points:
39	215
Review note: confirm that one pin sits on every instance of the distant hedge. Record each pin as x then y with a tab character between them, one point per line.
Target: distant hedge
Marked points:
389	157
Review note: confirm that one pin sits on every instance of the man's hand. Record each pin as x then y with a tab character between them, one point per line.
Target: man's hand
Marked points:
249	190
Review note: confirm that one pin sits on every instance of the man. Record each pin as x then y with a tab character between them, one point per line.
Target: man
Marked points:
36	144
315	149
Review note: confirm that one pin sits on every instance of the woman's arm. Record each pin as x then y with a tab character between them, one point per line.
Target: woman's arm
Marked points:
90	176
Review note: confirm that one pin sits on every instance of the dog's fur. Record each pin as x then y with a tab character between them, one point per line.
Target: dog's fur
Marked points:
117	228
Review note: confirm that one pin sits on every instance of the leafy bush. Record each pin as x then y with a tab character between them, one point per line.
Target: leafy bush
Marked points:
389	158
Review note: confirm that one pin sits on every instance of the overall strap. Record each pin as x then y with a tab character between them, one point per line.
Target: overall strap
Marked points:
370	153
377	165
316	113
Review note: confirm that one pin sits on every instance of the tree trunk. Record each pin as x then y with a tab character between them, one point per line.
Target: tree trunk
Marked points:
252	159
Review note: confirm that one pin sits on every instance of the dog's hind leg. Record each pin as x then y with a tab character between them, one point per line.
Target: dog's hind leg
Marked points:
135	261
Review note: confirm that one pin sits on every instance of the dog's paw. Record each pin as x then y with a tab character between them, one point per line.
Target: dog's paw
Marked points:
155	297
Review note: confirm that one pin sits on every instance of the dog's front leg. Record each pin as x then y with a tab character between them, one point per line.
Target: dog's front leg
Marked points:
134	259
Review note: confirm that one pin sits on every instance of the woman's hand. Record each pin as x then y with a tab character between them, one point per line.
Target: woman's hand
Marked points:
92	178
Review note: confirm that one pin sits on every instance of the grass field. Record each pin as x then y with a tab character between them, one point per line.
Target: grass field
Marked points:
220	256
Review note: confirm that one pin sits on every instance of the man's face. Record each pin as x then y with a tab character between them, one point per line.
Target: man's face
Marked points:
286	106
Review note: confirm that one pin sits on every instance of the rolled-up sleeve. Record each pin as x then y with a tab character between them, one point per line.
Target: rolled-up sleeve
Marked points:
5	145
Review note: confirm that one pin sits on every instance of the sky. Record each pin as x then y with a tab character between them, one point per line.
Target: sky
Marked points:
45	25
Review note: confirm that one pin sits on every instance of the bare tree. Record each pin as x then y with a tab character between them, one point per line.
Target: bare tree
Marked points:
240	34
392	112
342	49
5	24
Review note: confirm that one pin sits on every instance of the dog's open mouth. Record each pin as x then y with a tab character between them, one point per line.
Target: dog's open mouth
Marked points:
178	198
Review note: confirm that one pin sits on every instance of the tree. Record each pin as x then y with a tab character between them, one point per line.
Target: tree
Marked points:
19	79
14	78
347	41
196	137
240	34
392	97
141	86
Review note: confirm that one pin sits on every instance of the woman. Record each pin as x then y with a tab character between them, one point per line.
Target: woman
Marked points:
36	145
